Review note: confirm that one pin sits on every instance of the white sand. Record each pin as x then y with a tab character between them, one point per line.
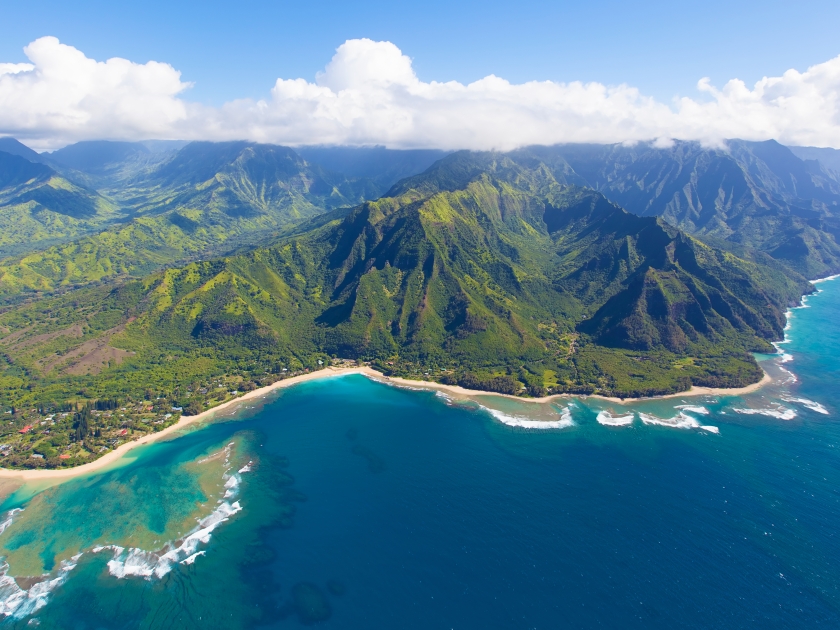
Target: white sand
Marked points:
184	421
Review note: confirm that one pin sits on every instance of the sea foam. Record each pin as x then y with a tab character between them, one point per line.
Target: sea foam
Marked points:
694	409
826	279
10	515
148	564
681	421
606	418
791	377
564	422
17	603
782	413
810	404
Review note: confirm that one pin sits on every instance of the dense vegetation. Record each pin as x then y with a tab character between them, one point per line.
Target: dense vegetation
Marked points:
754	194
483	271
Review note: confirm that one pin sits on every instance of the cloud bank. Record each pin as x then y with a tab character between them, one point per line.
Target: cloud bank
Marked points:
369	94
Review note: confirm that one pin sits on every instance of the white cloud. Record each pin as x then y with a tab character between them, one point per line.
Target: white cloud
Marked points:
63	96
369	94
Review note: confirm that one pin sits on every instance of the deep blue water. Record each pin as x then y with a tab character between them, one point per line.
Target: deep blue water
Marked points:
370	506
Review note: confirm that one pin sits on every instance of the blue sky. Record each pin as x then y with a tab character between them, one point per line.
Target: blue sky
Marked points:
237	49
371	73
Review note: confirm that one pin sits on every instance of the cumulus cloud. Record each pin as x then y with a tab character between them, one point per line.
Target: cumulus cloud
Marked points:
63	96
369	94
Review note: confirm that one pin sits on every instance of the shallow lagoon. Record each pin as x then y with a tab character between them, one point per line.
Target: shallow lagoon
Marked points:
353	504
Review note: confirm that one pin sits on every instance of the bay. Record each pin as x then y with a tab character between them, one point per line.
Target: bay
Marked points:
348	503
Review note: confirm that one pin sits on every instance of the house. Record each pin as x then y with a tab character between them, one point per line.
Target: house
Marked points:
26	429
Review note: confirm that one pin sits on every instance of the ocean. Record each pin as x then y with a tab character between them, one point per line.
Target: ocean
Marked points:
347	503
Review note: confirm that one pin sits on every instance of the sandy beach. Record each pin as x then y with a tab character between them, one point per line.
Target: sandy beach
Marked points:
455	389
185	421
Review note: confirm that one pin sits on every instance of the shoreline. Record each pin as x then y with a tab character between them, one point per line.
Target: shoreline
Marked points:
462	391
11	476
184	421
331	372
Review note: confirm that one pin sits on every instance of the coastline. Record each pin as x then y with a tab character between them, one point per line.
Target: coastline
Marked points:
330	372
462	391
183	422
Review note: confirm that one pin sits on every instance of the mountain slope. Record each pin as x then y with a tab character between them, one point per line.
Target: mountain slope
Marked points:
827	158
39	206
657	287
14	147
755	194
508	280
249	178
207	196
383	166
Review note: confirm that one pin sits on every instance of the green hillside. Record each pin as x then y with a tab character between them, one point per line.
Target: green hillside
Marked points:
208	197
154	209
38	206
754	194
511	280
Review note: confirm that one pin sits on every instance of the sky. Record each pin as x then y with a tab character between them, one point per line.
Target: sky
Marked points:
433	74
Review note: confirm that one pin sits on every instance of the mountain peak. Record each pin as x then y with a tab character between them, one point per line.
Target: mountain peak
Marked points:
14	147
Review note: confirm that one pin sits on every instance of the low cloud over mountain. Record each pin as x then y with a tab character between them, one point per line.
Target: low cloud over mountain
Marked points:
369	94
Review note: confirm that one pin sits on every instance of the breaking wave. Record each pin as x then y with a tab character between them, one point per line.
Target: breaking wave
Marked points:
782	413
17	603
10	515
681	421
606	418
694	409
148	564
810	404
564	422
791	377
826	279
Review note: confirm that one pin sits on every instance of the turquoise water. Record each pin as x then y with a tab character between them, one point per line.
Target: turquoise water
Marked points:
346	503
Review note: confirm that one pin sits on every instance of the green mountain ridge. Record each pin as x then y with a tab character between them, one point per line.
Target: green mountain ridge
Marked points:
208	196
754	194
38	205
509	279
229	265
165	207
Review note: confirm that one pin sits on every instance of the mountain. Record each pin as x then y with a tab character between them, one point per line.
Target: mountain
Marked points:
755	194
207	198
827	158
482	271
759	195
13	147
383	166
203	197
38	206
17	171
97	156
250	177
